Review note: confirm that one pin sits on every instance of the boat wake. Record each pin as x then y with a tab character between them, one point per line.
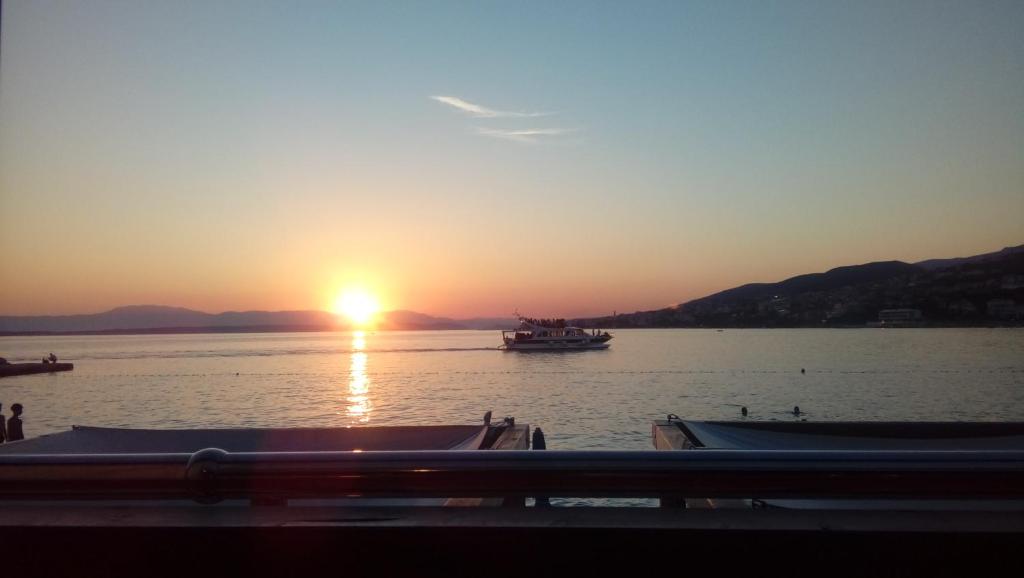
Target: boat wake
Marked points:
276	353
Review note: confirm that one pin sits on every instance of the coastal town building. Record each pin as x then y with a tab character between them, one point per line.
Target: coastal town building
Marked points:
888	316
1004	309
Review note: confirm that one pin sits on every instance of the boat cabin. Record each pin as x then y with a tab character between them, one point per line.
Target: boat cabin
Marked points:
534	332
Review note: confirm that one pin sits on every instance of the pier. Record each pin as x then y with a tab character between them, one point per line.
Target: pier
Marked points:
12	369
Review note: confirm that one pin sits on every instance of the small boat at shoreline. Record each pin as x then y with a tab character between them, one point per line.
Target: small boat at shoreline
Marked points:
552	335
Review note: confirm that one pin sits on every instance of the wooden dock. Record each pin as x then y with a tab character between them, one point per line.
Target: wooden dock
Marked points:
12	369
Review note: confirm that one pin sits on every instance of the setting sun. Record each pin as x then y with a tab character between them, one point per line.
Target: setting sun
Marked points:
358	306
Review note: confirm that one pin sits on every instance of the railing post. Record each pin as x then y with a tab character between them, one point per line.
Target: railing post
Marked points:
540	444
514	501
201	474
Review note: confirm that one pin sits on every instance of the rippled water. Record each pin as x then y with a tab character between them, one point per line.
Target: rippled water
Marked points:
583	400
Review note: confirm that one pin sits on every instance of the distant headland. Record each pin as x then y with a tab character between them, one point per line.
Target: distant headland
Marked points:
159	319
976	291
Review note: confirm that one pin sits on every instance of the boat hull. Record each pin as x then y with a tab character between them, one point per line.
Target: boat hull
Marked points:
556	346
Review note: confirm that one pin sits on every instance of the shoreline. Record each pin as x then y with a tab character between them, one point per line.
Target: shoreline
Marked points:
319	329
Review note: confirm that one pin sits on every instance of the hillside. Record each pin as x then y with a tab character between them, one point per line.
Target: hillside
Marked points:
970	291
933	264
827	281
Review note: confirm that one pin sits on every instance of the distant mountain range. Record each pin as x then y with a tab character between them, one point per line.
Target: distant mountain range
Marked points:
985	289
980	290
162	319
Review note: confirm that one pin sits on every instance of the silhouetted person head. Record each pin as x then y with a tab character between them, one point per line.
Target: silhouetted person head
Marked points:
16	409
743	410
796	410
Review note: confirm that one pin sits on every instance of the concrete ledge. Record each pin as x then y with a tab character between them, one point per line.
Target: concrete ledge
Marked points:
297	541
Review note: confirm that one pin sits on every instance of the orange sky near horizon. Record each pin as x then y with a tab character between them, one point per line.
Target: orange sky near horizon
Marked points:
532	290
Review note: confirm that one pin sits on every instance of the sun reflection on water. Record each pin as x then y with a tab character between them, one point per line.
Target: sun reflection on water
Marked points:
358	381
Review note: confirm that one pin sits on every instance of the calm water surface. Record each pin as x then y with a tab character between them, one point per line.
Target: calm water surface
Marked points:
583	400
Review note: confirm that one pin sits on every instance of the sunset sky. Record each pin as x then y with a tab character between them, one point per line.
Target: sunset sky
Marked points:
474	158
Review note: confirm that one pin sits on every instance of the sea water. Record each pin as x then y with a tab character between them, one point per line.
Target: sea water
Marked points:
582	399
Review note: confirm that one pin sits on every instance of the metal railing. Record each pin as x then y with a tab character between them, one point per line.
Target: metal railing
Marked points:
211	475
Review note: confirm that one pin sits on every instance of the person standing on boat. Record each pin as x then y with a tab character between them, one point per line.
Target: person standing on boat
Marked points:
14	431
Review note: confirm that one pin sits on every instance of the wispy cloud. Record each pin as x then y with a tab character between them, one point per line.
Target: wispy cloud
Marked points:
482	111
524	134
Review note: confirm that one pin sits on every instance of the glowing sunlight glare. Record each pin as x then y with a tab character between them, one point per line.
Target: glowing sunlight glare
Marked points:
357	305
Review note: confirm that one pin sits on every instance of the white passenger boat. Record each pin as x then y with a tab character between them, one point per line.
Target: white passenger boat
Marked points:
552	335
